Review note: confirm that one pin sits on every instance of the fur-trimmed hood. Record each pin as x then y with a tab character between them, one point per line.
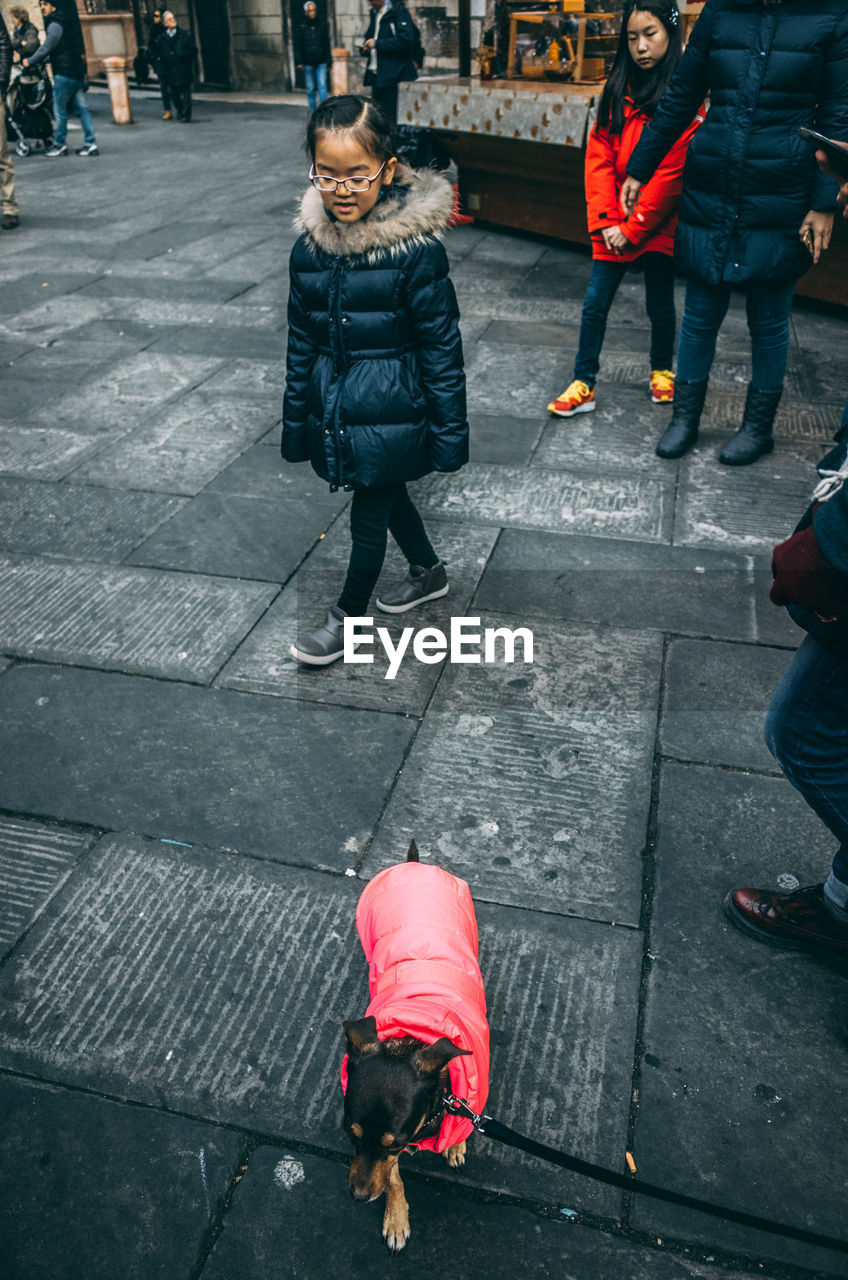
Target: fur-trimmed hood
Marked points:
416	208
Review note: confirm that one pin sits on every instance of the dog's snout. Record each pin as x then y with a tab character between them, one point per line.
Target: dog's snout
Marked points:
360	1194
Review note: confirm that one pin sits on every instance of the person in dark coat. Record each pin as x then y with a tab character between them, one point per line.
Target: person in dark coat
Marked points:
752	194
24	33
154	57
177	53
313	52
390	44
375	385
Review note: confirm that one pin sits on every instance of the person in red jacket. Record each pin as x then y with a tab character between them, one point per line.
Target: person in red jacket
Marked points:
649	50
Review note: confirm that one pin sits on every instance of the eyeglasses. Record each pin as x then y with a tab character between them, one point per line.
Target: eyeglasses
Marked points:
324	183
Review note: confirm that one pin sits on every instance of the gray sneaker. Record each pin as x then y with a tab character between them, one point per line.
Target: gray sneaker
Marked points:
419	585
324	645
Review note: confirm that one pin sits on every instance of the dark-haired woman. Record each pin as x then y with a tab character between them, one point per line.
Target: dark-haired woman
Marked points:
755	211
649	50
375	385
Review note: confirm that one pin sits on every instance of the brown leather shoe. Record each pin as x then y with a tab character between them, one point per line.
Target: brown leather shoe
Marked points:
799	919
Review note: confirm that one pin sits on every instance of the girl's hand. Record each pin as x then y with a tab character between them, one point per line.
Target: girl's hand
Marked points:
614	239
629	195
820	226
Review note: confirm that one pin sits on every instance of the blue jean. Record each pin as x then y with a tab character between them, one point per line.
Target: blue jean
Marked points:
806	731
768	305
69	93
316	78
659	303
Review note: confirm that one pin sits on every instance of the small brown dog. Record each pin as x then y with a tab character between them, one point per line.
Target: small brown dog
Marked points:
425	1031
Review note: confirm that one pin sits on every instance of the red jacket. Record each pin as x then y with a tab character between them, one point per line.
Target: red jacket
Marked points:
419	933
652	225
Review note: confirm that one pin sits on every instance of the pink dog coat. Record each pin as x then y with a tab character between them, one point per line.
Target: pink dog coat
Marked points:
417	926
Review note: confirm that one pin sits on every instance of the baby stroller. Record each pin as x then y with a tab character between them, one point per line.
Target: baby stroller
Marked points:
29	111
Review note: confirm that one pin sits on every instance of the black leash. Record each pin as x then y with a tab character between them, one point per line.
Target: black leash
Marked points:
494	1129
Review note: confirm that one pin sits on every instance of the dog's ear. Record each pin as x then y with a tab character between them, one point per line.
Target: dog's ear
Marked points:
433	1057
361	1035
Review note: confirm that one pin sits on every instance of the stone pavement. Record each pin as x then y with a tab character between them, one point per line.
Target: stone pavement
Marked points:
186	819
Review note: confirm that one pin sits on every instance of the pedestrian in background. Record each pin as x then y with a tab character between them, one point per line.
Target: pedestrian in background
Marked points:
649	49
312	43
24	33
64	49
11	213
375	385
391	45
752	194
178	52
154	57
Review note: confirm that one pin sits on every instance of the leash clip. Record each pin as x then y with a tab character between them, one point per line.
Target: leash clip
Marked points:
459	1107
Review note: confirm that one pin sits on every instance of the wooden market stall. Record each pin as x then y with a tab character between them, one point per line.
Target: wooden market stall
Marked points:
519	141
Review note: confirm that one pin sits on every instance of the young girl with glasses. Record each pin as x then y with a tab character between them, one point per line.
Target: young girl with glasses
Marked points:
375	387
649	49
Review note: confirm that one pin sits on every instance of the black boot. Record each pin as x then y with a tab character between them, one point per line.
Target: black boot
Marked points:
682	431
754	437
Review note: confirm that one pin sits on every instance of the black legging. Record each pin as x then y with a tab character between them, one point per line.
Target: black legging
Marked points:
373	513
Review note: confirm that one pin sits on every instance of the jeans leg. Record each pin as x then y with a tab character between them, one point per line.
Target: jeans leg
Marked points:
768	321
62	89
81	108
309	78
369	524
602	288
703	311
321	72
659	303
806	731
407	529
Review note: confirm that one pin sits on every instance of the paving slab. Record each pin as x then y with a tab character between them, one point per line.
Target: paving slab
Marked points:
261	472
295	1206
133	390
744	1051
619	437
216	986
182	448
608	506
52	318
532	783
264	665
229	343
795	420
123	334
114	284
78	523
504	440
257	538
87	1182
621	583
35	859
246	377
743	508
196	764
33	289
133	620
716	699
495	386
44	453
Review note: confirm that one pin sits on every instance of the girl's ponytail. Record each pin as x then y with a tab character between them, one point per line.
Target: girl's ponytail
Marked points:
627	80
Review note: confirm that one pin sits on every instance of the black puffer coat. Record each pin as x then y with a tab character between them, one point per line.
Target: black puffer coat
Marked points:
375	388
312	42
749	179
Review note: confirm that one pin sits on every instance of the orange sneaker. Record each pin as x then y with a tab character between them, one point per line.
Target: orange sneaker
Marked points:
576	398
662	386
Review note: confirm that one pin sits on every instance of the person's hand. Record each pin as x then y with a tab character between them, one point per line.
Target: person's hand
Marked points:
825	166
614	239
629	195
820	226
299	66
25	61
369	44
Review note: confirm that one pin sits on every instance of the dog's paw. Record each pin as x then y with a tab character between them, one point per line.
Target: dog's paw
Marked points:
396	1231
455	1155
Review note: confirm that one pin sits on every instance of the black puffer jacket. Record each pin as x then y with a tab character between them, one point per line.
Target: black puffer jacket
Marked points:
312	42
375	388
749	179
